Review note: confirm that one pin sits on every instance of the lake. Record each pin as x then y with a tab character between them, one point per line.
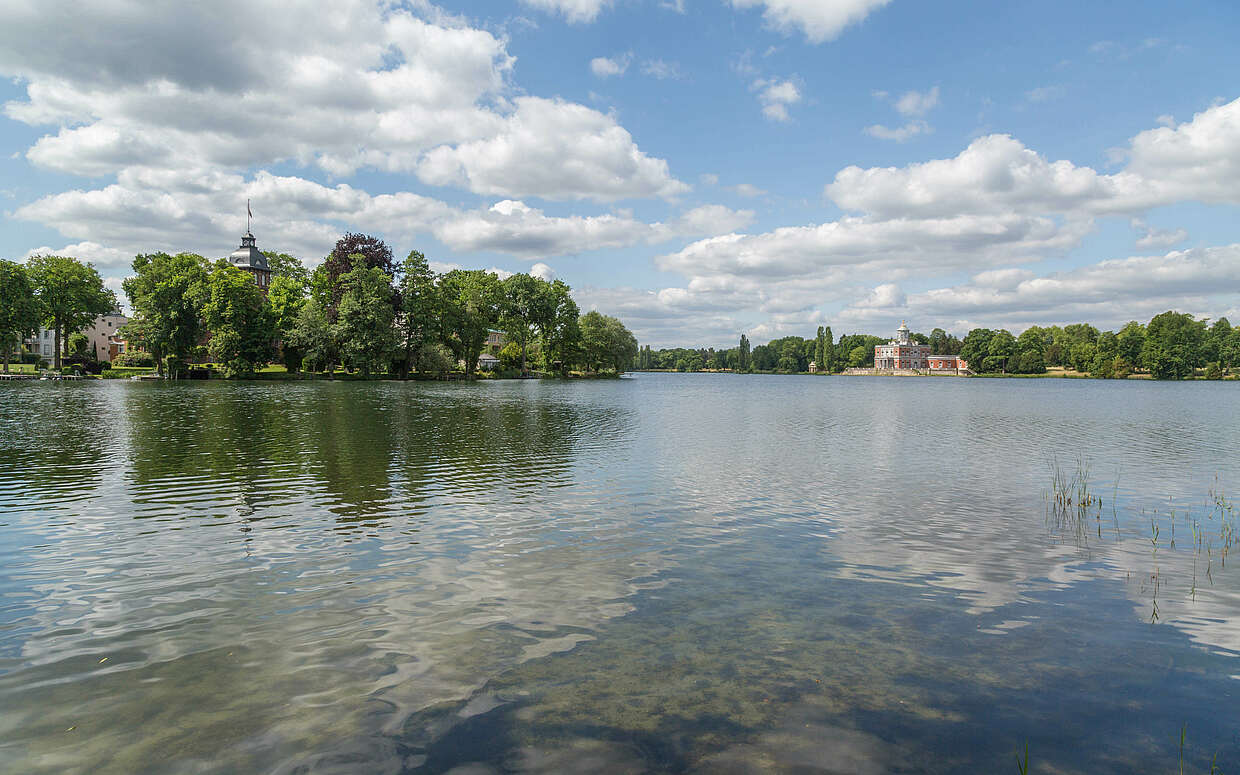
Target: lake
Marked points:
663	573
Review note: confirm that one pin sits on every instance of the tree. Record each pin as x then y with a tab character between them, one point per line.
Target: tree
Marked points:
311	336
284	265
1030	362
524	306
1033	339
1082	355
238	316
1130	341
1220	343
71	295
19	309
605	342
1173	345
165	293
365	317
975	348
860	355
375	255
287	296
1002	348
559	327
471	303
78	342
420	310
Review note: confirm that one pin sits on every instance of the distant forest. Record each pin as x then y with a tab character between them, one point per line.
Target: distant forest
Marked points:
1173	345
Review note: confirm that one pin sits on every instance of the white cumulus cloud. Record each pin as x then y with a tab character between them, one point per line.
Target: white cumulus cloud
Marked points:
606	67
573	11
775	96
818	20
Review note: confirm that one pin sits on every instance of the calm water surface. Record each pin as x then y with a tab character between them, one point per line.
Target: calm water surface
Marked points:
664	573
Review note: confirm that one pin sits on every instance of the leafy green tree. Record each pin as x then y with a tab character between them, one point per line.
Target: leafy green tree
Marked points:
1081	332
976	348
78	342
1031	339
1002	347
1173	345
311	336
691	362
287	296
1029	362
365	318
238	316
1130	341
71	295
1082	355
19	308
1219	343
1107	345
420	310
559	326
165	293
523	307
284	265
1229	353
471	304
606	343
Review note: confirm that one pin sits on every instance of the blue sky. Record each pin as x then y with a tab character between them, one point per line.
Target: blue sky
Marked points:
699	169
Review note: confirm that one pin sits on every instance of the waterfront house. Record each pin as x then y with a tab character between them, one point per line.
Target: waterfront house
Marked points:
488	360
903	353
103	340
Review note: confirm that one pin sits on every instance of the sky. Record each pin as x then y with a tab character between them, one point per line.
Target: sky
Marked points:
698	168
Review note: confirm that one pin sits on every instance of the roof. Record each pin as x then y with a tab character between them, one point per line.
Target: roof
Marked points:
248	256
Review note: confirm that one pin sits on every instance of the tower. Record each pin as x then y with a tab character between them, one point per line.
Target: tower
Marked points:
902	334
250	258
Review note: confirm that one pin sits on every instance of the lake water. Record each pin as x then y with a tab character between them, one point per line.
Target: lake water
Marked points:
664	573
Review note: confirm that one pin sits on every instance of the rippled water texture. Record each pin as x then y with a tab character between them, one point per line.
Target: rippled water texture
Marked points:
706	573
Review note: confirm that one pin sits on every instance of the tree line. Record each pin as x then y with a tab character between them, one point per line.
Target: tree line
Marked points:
56	293
1172	345
360	310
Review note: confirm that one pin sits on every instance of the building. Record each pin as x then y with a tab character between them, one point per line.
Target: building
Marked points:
103	340
901	353
489	359
947	363
252	260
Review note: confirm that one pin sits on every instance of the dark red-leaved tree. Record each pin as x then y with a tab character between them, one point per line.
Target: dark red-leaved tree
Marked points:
338	263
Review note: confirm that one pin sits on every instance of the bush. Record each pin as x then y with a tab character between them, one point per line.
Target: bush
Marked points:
134	359
83	363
